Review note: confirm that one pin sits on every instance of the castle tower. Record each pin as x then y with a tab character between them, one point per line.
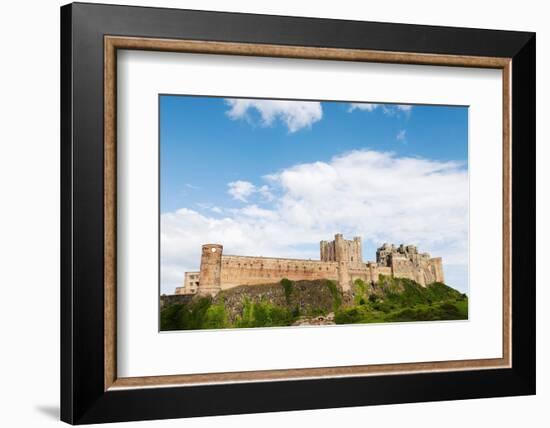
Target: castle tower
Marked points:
343	257
357	250
436	264
346	253
340	252
211	266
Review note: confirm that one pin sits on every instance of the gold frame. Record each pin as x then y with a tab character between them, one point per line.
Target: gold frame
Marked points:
112	43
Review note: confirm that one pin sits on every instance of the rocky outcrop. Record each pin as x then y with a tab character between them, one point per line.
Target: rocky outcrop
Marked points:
318	320
308	298
170	299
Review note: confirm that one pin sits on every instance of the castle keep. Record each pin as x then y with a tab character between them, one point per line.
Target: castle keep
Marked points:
341	260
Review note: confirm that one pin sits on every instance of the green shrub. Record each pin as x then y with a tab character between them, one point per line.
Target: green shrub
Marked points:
348	316
358	314
359	286
264	314
169	317
288	287
188	316
315	312
215	317
359	291
462	306
439	312
335	293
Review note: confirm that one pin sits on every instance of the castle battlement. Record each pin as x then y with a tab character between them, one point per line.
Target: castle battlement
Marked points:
341	260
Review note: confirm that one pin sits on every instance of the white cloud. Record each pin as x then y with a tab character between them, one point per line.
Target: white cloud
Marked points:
266	193
242	190
294	114
379	196
254	211
209	207
404	107
387	109
362	106
401	135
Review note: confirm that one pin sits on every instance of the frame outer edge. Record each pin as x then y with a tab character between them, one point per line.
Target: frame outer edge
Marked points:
82	394
66	217
524	215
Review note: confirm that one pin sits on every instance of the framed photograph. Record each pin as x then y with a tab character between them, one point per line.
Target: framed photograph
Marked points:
266	213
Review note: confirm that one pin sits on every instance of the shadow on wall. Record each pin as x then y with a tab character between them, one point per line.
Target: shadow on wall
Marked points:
50	411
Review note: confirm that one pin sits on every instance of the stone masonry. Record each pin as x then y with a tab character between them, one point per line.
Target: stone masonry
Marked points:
341	260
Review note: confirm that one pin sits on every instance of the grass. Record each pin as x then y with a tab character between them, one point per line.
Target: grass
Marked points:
388	300
403	300
448	310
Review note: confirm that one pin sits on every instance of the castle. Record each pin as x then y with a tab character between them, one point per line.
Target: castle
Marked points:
341	260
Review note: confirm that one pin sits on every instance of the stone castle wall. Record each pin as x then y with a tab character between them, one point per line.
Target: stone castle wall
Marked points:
245	270
340	260
425	272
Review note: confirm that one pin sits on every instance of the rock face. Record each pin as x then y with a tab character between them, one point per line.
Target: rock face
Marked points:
310	298
340	261
318	320
171	299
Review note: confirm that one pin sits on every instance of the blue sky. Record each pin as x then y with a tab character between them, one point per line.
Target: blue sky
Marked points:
237	167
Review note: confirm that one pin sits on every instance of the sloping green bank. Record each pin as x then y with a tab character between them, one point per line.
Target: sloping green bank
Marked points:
282	304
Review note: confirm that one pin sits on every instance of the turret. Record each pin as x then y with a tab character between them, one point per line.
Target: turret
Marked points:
211	266
436	264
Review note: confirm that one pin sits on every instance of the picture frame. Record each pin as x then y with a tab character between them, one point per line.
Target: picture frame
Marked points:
91	35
